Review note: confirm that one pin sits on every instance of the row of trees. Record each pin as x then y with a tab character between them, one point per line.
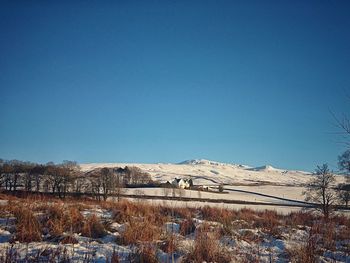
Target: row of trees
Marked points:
67	177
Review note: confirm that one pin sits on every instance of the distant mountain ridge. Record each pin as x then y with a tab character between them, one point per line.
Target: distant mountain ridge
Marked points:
203	161
208	172
209	162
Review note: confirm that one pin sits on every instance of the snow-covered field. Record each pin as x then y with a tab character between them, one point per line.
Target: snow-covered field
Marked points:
205	172
265	194
242	183
244	236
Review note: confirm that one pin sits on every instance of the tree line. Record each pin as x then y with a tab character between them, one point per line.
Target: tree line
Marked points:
67	177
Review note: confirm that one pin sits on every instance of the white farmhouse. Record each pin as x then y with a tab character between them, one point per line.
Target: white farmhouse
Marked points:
182	183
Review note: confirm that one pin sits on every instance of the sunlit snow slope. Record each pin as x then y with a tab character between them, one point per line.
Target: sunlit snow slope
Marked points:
207	172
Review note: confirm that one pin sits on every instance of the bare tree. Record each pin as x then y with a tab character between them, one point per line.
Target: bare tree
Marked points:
134	175
16	166
80	183
37	173
119	189
343	123
344	162
343	191
95	184
58	178
320	190
344	167
107	183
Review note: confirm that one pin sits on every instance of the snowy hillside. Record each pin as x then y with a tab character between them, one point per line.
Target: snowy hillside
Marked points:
212	173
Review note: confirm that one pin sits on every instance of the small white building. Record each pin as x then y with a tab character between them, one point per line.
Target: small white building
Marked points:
182	183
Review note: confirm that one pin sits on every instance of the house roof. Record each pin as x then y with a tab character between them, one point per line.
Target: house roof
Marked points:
183	179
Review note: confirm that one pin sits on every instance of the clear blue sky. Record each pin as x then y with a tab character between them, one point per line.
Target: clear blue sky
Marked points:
246	82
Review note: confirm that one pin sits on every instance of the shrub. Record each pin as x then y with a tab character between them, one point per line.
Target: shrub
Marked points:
217	214
247	215
73	220
300	218
145	253
329	235
60	219
182	212
207	248
140	230
93	228
269	221
169	244
28	228
304	253
187	227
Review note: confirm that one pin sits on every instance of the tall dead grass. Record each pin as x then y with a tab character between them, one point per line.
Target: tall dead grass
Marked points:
207	247
60	218
93	227
28	228
140	230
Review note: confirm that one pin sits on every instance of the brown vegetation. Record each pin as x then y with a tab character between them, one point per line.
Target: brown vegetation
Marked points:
93	227
207	248
144	228
28	228
140	231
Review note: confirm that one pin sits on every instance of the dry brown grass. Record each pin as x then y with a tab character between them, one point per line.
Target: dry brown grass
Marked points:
73	220
217	214
341	220
69	240
169	244
181	212
28	228
59	218
187	226
247	215
145	225
305	252
322	236
12	254
93	227
250	236
140	230
54	219
207	247
269	221
124	210
145	253
299	218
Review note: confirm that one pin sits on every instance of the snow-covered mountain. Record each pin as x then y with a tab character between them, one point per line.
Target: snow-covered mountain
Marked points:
208	172
202	161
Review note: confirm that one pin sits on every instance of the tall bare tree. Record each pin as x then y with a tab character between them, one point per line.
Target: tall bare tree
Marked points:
320	190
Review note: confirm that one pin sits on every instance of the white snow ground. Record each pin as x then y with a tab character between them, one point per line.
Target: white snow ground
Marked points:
205	172
260	184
